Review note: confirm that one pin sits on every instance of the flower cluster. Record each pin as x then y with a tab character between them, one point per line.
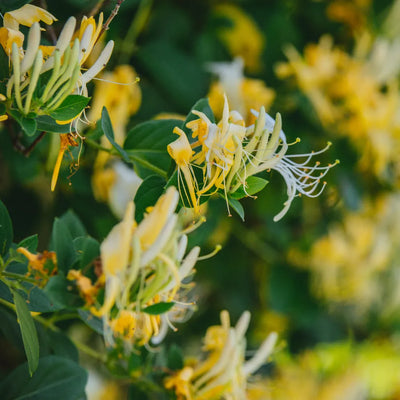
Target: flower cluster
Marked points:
228	153
43	76
224	373
146	274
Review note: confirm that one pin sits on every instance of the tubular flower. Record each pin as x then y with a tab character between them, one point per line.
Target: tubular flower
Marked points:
224	373
145	268
355	95
244	94
35	92
229	152
27	15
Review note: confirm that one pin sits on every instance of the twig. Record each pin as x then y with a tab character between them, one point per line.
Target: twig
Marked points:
110	18
28	150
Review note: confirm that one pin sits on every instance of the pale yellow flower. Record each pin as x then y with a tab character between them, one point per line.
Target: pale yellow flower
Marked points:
144	265
224	373
244	38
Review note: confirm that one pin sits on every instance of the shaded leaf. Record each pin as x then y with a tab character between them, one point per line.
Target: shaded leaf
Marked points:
93	322
47	124
159	308
6	230
28	331
55	377
147	195
28	125
254	184
109	132
63	245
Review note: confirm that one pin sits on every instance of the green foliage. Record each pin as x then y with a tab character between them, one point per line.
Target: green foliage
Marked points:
147	195
253	185
109	132
146	145
27	123
53	375
6	231
28	330
72	106
158	308
63	245
47	124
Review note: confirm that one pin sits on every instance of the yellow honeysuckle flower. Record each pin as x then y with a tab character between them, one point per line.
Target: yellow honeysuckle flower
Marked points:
228	152
151	252
224	373
243	39
27	15
10	36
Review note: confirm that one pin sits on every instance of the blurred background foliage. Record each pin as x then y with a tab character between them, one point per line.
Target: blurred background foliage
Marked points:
325	277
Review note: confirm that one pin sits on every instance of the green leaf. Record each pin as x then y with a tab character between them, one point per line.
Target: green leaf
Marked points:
57	290
71	107
73	223
6	229
88	249
236	206
47	124
63	245
30	243
109	132
10	5
28	331
90	320
56	377
28	125
175	358
146	144
159	308
147	195
254	184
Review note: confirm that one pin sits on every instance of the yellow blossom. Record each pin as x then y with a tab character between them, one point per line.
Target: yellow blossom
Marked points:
224	372
38	263
151	253
243	39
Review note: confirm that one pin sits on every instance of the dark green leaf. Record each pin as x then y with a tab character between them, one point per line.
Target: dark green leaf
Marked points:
159	308
147	195
28	331
6	230
47	124
109	132
88	249
236	206
63	245
56	377
73	223
57	290
28	125
254	184
10	5
61	345
175	357
93	322
146	144
71	107
30	243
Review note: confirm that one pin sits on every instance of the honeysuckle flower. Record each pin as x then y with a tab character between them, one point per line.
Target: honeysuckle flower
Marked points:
355	95
244	94
115	184
144	265
224	373
348	264
228	152
27	15
64	63
243	38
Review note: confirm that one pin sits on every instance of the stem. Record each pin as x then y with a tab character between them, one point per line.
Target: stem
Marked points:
136	27
110	18
12	275
96	145
148	165
27	151
88	350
